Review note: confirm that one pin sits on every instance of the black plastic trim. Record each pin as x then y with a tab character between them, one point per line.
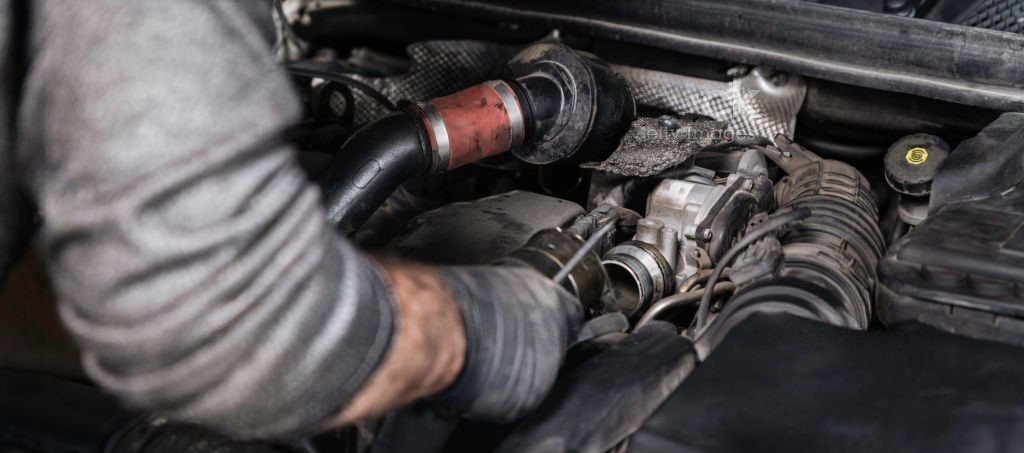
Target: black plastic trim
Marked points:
942	61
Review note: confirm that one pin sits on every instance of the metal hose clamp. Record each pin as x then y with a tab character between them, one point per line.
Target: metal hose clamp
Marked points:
443	149
512	108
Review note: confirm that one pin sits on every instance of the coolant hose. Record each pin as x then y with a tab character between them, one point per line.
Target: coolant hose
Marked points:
555	104
437	136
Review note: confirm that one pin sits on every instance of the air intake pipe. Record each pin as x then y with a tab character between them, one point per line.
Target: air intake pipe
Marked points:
555	104
828	257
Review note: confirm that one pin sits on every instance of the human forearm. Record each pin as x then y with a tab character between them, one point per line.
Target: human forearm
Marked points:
427	348
490	339
192	259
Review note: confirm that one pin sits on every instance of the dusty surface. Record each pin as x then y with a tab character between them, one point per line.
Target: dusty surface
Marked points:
653	145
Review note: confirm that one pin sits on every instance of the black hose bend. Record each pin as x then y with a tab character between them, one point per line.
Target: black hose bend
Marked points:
829	257
771	224
840	244
368	168
480	121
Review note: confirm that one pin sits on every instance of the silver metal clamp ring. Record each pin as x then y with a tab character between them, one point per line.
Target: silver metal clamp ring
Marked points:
515	112
442	155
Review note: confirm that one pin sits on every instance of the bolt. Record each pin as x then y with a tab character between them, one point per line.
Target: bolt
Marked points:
668	123
748	184
706	234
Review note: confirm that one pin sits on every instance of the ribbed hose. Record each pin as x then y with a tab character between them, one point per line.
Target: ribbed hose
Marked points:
829	257
840	244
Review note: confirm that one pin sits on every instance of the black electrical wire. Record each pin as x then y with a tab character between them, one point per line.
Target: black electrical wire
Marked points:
307	69
700	278
681	300
771	224
286	28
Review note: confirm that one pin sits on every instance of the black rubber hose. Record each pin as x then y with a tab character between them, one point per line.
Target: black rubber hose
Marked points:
839	245
828	257
287	30
682	299
368	168
318	70
770	225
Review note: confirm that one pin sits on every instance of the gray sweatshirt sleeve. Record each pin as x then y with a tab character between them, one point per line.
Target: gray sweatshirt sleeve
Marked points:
191	257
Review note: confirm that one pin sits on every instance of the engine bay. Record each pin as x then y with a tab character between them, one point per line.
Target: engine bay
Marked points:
681	193
768	247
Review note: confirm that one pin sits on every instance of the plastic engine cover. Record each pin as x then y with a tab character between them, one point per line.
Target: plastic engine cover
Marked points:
962	270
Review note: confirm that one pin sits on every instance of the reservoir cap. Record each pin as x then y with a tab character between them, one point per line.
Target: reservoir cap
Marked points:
912	162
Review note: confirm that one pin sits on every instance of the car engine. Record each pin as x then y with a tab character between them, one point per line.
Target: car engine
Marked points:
728	199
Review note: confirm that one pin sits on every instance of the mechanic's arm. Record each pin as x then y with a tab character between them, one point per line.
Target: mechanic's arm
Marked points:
193	262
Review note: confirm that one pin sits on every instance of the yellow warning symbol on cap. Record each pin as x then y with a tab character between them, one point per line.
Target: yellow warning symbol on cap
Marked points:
917	156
